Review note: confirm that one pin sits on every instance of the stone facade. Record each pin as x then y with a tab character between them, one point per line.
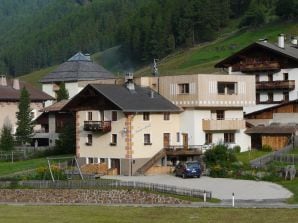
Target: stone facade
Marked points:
88	196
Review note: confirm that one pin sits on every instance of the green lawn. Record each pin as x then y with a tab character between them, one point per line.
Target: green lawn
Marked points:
73	214
9	168
245	157
293	187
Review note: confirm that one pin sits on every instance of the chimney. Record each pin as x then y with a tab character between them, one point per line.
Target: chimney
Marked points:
87	55
3	81
281	40
294	41
16	84
129	82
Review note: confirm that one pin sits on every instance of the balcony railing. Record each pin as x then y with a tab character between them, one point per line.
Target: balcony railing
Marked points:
97	126
217	125
276	85
176	150
252	66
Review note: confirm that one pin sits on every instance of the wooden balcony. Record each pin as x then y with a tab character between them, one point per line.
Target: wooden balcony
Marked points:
97	126
276	85
253	66
179	150
218	125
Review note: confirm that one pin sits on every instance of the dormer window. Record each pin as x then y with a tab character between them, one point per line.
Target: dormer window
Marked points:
183	88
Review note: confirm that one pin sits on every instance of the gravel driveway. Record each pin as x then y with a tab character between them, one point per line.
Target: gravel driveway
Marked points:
221	188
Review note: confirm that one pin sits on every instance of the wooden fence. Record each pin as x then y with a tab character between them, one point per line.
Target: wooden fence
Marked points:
110	184
280	155
22	153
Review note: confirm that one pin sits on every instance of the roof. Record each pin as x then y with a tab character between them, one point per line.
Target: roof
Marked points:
272	107
142	99
78	67
58	106
8	93
272	129
289	51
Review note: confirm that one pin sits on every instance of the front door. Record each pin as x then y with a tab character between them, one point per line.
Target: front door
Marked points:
185	140
115	163
166	140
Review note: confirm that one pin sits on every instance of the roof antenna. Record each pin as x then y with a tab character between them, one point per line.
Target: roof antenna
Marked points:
155	68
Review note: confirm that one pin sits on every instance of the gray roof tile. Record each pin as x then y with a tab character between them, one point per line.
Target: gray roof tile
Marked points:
79	67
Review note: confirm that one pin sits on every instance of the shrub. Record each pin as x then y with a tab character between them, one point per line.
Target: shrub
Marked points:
219	154
236	149
266	148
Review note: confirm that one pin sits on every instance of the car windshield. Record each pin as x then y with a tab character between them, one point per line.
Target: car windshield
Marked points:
193	165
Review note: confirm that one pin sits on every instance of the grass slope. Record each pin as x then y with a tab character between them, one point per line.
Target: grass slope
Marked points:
202	58
79	214
34	77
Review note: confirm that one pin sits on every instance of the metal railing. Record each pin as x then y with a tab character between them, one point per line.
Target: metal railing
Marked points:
104	126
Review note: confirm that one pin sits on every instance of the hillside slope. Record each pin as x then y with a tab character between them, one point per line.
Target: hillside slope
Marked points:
199	59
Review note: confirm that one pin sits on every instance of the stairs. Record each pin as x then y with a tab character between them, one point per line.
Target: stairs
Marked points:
142	170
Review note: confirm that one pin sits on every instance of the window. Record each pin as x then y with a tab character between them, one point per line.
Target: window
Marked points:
229	137
147	140
286	76
102	160
226	88
270	77
89	140
178	136
166	116
89	116
208	138
270	97
146	116
114	116
114	140
220	114
183	88
286	96
90	160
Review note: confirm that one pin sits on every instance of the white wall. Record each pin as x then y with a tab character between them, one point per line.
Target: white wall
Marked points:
191	123
72	88
278	96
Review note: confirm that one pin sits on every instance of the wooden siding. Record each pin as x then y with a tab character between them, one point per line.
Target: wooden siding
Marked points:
277	142
216	125
203	90
268	113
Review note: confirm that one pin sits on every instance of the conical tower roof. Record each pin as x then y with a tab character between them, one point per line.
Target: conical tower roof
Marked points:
77	68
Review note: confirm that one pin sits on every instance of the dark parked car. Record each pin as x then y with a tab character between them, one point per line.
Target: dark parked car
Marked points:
188	169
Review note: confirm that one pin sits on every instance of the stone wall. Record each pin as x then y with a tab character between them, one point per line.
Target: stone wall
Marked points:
72	196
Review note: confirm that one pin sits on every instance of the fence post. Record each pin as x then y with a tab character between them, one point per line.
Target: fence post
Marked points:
233	199
205	195
12	156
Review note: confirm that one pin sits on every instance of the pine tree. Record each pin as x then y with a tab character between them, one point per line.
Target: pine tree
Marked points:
6	139
24	119
66	143
62	93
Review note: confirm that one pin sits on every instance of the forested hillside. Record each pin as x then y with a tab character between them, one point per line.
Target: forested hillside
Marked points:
41	33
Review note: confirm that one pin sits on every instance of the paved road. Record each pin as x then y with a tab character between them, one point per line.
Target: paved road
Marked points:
221	188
